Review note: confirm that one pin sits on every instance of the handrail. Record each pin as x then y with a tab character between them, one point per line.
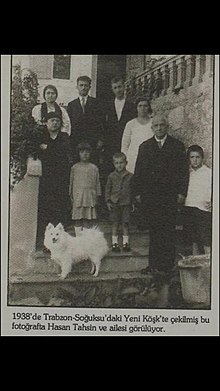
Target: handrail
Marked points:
172	74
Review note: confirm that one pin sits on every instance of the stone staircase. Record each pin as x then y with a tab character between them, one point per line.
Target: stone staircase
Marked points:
119	280
120	283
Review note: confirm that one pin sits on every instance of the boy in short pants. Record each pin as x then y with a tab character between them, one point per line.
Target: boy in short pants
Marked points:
119	200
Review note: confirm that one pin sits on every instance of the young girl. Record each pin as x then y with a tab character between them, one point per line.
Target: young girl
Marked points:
84	190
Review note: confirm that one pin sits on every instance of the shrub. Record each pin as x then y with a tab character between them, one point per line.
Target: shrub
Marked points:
24	95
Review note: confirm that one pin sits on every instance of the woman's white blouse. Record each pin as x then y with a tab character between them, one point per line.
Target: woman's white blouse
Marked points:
134	135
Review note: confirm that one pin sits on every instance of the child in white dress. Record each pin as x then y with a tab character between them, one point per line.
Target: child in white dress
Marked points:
84	190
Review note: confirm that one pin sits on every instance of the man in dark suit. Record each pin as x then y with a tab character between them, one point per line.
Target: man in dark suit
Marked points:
87	118
118	112
160	183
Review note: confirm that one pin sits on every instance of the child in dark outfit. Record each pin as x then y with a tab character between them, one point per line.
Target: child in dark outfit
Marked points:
119	200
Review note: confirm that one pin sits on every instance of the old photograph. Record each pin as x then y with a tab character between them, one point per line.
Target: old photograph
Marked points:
110	185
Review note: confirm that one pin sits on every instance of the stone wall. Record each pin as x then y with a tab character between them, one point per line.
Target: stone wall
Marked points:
190	115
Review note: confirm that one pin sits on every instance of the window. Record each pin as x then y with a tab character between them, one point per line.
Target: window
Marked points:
61	66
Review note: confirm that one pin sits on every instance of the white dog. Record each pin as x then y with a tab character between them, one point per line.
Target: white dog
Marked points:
67	250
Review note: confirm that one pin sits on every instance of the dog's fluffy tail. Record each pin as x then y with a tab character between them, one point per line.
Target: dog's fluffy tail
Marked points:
91	233
95	241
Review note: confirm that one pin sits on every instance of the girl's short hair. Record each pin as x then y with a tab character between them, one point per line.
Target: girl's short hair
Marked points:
50	87
84	147
195	148
144	99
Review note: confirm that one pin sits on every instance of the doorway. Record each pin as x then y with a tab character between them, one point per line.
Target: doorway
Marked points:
108	66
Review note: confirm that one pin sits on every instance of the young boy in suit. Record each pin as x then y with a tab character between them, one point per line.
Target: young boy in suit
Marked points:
119	200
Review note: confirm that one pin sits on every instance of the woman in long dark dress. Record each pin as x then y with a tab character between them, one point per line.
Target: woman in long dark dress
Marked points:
55	154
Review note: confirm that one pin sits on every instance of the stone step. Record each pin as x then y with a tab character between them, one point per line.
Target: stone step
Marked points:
134	260
73	277
139	240
108	290
105	227
121	263
118	289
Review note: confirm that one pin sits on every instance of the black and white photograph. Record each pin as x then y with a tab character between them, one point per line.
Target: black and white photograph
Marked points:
110	168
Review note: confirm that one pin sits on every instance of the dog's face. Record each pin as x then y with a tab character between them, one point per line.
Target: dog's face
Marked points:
53	234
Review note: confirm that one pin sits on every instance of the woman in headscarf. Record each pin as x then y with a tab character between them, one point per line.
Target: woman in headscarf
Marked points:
56	157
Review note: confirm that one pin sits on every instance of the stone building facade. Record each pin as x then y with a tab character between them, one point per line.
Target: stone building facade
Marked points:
180	85
190	115
61	71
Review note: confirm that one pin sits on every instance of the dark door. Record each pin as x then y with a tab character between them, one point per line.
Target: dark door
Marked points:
108	66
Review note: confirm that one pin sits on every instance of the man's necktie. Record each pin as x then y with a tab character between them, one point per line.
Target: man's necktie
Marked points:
159	144
83	103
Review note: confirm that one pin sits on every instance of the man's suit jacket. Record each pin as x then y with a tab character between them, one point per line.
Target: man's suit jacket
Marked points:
86	126
161	174
115	127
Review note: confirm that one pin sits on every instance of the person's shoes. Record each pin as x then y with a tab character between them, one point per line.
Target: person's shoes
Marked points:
126	247
115	248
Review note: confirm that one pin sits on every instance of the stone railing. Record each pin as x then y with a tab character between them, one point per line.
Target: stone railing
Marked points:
172	75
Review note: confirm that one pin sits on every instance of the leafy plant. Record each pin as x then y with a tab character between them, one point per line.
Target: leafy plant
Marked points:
24	95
